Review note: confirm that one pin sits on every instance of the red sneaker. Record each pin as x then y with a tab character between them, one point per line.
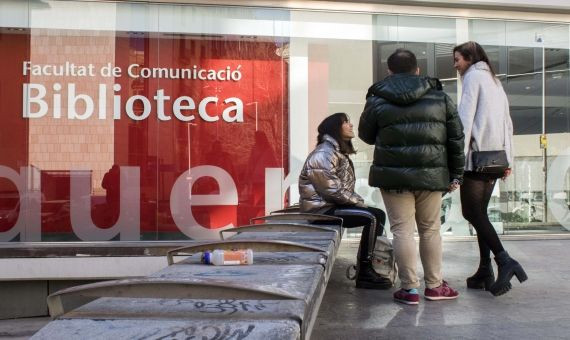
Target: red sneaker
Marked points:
443	292
407	297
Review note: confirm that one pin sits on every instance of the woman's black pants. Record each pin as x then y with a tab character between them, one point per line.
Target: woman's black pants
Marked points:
475	194
372	219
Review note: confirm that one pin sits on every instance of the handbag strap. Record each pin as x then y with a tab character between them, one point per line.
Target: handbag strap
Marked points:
505	131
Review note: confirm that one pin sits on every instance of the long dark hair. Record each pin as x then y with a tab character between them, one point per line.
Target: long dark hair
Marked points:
332	126
473	52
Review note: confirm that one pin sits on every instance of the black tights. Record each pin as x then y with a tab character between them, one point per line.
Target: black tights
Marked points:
475	193
353	216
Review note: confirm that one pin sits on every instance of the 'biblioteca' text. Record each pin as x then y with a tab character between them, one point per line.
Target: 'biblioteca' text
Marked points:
136	107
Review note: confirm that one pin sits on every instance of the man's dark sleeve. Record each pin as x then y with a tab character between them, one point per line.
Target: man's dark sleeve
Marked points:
455	141
367	127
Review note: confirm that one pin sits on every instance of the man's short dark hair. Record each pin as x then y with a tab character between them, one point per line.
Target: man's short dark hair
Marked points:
402	61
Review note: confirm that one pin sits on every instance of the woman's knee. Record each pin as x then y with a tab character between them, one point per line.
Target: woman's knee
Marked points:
469	212
380	216
466	213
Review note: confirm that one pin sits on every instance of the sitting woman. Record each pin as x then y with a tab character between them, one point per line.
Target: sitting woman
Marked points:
326	186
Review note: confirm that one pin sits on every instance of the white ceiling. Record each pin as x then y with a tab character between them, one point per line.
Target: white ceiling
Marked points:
525	5
555	7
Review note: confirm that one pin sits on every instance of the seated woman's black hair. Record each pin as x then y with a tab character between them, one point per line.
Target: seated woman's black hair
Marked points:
332	126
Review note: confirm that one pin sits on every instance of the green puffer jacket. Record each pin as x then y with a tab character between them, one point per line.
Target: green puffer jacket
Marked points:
417	134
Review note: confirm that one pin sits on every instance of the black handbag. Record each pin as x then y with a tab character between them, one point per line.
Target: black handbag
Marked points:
490	162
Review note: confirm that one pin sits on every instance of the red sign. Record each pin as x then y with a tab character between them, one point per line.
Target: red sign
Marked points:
115	135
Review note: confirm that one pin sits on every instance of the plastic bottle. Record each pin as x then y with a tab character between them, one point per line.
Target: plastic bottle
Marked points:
220	257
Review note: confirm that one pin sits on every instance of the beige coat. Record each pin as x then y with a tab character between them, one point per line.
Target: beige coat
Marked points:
327	179
484	112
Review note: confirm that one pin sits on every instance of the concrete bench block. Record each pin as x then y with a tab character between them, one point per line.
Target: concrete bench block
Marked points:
80	329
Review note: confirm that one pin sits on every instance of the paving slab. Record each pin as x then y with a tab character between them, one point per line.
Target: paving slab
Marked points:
536	309
186	309
300	281
71	329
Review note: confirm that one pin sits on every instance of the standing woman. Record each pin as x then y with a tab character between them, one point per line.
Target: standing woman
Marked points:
326	186
484	112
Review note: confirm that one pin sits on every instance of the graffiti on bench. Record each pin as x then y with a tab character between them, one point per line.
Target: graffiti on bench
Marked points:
204	332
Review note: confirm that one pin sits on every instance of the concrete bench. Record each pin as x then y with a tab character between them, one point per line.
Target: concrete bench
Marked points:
298	218
150	318
277	297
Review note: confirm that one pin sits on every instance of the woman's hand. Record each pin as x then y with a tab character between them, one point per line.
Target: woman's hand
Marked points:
507	173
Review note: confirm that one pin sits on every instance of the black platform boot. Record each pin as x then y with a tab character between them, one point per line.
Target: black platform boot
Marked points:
484	277
507	267
367	278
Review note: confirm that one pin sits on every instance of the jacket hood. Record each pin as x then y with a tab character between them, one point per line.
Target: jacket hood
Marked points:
403	89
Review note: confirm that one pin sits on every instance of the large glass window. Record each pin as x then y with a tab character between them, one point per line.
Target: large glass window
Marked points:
532	61
168	121
140	125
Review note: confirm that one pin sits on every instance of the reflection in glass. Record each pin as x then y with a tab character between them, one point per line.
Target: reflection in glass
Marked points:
109	157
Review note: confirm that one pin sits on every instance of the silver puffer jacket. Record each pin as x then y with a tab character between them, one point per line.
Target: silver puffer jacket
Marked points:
327	179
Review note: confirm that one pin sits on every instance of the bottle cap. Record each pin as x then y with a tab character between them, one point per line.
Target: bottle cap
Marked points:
207	257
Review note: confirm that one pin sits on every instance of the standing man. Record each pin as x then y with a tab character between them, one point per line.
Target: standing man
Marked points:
418	155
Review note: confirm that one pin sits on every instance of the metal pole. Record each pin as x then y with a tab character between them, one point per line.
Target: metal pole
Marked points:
189	178
544	155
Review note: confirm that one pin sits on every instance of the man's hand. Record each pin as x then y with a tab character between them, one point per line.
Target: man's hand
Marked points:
454	185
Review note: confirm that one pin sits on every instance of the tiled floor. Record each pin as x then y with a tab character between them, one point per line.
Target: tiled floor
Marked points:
539	308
